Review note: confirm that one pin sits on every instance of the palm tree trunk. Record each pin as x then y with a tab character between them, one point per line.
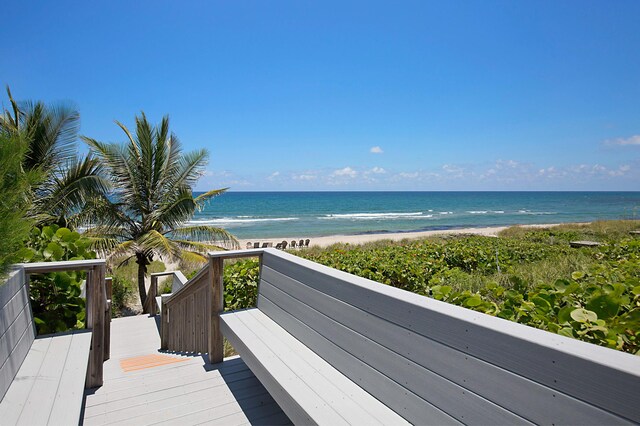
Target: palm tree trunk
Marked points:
141	260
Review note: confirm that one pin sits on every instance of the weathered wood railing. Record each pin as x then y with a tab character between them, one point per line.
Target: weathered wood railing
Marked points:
184	326
96	308
191	316
178	281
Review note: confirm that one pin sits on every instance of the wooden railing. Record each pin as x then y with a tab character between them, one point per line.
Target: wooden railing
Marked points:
191	316
96	308
178	281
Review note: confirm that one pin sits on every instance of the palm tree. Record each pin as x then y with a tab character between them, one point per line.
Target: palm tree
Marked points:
68	181
147	213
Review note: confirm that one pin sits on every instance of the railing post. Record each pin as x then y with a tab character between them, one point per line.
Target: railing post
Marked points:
216	345
96	296
152	305
108	283
164	325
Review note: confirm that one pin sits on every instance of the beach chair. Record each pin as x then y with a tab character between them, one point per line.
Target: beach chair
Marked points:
284	245
293	244
249	244
265	245
301	243
306	242
256	245
279	246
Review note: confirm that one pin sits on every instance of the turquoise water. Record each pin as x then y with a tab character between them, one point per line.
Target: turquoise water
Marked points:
312	214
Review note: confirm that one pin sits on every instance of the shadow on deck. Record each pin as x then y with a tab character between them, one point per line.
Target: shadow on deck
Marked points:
145	386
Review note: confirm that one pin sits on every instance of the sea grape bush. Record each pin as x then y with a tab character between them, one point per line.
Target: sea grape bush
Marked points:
55	297
241	284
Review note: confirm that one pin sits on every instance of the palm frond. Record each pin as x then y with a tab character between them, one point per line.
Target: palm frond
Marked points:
197	247
192	258
203	198
126	248
155	242
205	233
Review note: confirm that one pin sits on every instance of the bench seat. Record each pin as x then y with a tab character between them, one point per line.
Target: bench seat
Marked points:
306	387
49	386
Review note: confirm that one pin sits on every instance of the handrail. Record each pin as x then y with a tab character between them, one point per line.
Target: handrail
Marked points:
190	319
236	254
65	265
196	277
184	316
96	307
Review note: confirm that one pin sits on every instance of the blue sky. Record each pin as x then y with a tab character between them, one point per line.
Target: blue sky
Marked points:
412	95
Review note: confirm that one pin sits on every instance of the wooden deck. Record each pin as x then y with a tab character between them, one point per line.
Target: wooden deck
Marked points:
144	386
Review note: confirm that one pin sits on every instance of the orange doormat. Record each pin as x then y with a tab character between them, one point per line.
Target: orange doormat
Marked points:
147	361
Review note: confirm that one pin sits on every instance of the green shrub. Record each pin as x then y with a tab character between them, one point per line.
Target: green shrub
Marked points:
124	291
55	297
241	284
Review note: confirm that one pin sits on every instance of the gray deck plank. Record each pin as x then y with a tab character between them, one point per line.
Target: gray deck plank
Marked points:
561	363
14	400
344	396
402	401
442	393
374	410
68	400
40	400
479	377
276	374
459	403
13	334
166	394
192	398
13	307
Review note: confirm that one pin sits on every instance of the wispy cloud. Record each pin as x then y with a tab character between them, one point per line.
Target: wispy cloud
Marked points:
497	175
376	150
346	172
631	140
304	177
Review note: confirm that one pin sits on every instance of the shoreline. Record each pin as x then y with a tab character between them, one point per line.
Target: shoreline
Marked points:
325	241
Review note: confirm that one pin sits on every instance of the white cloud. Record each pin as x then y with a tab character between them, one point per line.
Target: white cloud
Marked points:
304	177
376	150
378	171
631	140
347	172
406	175
273	175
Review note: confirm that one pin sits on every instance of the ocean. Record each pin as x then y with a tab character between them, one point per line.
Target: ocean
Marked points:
313	214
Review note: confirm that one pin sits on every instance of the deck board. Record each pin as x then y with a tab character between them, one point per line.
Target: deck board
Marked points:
186	392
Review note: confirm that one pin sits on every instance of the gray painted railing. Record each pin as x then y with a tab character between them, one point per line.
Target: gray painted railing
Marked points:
17	330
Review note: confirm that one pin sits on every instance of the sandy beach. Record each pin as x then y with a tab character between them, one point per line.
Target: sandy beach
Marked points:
367	238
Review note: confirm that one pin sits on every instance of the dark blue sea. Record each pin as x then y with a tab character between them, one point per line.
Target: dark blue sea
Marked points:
313	214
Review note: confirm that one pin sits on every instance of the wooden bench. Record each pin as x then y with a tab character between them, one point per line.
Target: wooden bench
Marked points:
578	244
42	379
333	348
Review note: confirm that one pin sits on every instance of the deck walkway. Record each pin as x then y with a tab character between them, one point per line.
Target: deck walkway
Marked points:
143	386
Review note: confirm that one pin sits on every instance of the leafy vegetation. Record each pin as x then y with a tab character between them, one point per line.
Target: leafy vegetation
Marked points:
56	297
531	276
67	182
146	214
124	285
15	197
